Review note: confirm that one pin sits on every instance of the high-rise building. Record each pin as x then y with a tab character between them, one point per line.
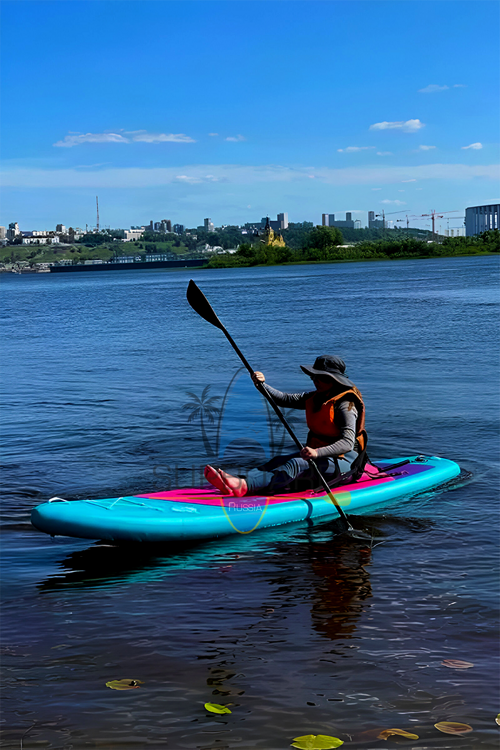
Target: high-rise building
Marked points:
13	230
357	224
208	225
179	228
481	218
61	228
283	220
374	223
324	220
347	224
3	233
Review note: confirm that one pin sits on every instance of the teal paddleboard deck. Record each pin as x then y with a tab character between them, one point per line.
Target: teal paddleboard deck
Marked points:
185	514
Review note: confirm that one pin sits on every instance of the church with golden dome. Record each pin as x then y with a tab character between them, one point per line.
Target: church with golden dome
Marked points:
272	238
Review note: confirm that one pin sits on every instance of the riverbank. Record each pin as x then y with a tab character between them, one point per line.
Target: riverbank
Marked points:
319	251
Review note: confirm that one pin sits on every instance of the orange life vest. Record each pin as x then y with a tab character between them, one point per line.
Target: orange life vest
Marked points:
322	428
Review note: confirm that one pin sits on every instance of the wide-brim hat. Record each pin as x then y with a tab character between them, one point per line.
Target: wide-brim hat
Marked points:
328	366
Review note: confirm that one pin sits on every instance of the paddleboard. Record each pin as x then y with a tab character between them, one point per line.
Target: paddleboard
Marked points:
189	514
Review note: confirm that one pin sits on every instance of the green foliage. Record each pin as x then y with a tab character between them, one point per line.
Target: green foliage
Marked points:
317	248
94	239
324	237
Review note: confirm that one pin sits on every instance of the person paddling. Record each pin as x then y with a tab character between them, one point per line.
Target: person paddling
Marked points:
335	415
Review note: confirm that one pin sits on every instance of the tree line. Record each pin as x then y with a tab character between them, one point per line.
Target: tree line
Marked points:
325	244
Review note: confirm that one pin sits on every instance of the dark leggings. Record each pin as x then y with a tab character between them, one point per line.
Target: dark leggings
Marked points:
283	471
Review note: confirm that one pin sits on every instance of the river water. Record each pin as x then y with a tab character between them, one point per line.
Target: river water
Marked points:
297	630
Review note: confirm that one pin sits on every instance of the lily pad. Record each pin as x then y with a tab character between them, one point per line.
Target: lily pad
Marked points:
316	742
124	684
400	732
453	727
216	708
457	664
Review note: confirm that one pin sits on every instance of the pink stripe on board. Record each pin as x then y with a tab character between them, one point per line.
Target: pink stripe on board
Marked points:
208	496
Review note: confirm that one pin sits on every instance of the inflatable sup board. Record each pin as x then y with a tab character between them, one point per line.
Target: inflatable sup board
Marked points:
185	514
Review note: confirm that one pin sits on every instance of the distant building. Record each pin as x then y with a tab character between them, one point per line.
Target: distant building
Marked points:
38	238
280	223
270	238
3	233
283	220
132	234
328	220
374	223
179	228
357	224
13	230
481	218
61	228
208	225
150	257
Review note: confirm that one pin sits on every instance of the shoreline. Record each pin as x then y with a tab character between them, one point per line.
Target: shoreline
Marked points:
189	263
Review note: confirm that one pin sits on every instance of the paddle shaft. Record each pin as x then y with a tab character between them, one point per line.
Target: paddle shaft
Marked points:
210	316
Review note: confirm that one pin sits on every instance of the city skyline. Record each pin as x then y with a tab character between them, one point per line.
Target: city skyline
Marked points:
236	110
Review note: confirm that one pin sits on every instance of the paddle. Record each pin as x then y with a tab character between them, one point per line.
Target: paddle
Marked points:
202	306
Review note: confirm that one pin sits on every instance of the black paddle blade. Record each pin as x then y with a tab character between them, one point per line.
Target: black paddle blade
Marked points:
201	305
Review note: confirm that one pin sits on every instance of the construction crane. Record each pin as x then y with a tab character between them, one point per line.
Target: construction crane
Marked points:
434	214
383	215
407	221
97	204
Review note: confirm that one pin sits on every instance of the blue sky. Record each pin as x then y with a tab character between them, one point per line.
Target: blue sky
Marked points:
236	110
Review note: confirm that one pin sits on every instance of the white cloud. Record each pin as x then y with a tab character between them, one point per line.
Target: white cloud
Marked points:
475	146
75	140
459	86
408	180
374	189
213	134
384	153
141	177
129	137
408	126
426	148
432	88
396	203
353	149
235	138
163	138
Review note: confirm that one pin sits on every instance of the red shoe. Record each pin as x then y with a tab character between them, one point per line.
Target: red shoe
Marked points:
227	484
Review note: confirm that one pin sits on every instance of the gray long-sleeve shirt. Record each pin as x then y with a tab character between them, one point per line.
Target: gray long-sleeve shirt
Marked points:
345	419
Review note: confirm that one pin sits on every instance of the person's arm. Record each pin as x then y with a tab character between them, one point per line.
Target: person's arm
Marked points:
345	419
290	400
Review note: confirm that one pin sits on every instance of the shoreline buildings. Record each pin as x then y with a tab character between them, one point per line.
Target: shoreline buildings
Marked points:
481	219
